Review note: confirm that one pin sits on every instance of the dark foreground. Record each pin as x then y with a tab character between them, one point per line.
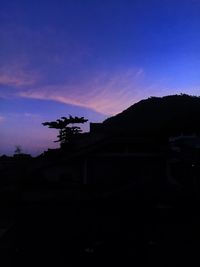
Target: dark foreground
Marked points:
143	226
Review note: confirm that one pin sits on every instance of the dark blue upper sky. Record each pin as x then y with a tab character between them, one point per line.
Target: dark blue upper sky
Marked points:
90	58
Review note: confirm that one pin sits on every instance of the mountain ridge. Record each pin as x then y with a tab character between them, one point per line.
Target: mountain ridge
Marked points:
158	116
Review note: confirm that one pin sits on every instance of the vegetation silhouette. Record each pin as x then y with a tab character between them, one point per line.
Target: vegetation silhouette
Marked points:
159	117
18	150
66	132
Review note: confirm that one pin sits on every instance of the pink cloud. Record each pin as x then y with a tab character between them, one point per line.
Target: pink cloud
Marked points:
17	75
2	119
107	93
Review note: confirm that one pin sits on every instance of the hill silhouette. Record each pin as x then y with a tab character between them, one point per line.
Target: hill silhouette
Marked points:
158	116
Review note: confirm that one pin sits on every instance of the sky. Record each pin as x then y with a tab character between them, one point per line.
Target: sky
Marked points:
91	58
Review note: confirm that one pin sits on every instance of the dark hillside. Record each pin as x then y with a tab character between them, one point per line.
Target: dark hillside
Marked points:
159	116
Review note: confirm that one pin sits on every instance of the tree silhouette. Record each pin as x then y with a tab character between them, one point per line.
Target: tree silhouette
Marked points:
18	150
66	132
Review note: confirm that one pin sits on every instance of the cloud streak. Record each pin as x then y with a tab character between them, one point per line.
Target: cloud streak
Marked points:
17	75
107	93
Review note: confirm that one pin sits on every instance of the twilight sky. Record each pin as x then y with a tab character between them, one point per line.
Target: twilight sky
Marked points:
90	58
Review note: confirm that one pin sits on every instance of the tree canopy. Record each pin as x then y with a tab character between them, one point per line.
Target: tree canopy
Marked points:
66	129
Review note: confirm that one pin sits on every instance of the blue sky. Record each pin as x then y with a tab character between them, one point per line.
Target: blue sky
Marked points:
90	58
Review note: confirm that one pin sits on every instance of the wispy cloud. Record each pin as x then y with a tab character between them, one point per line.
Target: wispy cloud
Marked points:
31	115
108	93
17	75
2	119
